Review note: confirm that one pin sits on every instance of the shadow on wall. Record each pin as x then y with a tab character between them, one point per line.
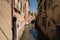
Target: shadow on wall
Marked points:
37	33
16	10
58	18
14	28
41	35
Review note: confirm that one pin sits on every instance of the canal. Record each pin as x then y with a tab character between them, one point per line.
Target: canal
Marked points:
33	32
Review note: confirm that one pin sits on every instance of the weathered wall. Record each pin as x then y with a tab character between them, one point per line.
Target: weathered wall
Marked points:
57	12
53	17
5	21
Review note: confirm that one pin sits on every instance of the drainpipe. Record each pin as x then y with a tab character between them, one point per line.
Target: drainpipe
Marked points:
11	8
12	15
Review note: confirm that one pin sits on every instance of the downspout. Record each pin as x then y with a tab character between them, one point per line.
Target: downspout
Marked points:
12	15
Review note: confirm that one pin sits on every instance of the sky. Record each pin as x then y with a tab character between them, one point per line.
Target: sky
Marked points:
33	5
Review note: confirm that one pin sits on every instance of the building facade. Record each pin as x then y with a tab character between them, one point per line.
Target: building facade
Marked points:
12	19
47	18
5	20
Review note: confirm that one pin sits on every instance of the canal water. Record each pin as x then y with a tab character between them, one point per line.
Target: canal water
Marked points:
33	34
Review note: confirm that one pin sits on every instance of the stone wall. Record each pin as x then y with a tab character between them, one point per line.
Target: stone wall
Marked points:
5	21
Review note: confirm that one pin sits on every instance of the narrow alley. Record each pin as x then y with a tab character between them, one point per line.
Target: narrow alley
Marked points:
29	19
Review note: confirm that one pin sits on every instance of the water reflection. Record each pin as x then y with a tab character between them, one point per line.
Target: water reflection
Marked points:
34	33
